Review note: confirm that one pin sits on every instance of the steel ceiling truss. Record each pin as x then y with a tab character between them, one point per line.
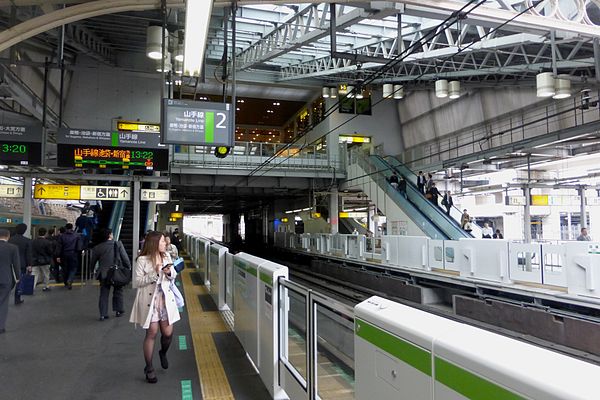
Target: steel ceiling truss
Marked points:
468	51
306	26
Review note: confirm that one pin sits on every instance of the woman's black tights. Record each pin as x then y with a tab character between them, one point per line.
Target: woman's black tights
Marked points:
166	337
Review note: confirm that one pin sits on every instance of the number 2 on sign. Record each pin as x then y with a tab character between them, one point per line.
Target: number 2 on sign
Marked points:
221	123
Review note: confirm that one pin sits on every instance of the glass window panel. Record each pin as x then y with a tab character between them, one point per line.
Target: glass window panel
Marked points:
335	355
438	253
450	254
295	345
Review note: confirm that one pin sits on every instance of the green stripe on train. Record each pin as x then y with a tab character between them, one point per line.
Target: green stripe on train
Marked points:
470	385
401	349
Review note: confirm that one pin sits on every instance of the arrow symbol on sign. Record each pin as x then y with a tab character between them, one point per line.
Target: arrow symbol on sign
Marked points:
19	190
124	192
41	190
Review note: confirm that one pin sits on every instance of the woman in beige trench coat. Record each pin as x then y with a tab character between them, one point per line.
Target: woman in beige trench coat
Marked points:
154	307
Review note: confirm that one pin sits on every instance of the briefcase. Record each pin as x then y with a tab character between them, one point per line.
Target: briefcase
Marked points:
27	284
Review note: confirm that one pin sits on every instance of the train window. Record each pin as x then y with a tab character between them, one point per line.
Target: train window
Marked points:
450	254
438	253
553	262
528	261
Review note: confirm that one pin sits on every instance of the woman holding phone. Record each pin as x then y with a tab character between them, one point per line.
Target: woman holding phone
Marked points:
154	307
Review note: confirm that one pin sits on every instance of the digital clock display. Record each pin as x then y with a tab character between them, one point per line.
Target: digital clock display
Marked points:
20	153
104	157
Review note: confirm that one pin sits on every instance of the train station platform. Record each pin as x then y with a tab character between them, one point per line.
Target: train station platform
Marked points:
55	347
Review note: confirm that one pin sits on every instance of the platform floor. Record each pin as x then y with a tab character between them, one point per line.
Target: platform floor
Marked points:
55	348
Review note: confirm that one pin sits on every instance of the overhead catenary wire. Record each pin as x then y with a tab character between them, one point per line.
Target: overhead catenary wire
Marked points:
461	50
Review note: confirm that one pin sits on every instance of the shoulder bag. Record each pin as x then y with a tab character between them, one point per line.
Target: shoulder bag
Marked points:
118	275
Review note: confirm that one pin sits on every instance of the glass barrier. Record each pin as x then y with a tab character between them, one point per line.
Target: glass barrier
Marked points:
335	355
247	155
310	320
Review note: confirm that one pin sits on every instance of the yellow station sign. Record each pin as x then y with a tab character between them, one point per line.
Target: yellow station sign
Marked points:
57	192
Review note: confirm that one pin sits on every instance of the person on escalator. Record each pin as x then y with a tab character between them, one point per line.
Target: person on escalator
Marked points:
402	187
421	181
433	194
465	221
447	202
394	181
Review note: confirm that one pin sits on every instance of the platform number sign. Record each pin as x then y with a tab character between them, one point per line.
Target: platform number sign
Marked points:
197	123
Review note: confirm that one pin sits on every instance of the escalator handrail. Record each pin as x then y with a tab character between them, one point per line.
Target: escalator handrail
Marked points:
432	211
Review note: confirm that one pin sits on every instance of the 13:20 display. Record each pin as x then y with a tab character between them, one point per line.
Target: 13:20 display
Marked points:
14	148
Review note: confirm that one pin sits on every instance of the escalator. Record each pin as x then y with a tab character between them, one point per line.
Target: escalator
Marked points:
411	179
369	174
122	223
432	212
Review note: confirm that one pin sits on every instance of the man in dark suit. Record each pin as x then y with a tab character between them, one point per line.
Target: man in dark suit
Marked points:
421	181
25	256
9	272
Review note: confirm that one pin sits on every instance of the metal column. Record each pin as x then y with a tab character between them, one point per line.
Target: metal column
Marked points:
27	200
135	245
582	206
265	221
527	214
333	210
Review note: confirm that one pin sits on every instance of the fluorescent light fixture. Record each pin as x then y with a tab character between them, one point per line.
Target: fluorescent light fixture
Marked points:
197	18
562	87
398	92
325	92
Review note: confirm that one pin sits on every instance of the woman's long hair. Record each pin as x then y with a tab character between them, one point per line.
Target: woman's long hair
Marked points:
151	245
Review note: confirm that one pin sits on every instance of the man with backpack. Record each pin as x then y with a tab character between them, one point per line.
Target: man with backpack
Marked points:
70	246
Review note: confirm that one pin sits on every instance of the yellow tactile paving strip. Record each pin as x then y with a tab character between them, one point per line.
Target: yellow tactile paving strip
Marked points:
215	385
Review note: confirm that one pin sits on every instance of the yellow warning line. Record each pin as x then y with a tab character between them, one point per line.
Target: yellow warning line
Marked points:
214	383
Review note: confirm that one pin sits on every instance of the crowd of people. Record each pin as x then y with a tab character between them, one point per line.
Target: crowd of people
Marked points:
54	255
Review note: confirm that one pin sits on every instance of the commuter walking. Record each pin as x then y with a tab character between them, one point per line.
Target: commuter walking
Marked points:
171	249
43	251
176	239
498	234
10	270
447	202
486	231
70	246
465	221
84	225
584	237
25	257
394	180
421	181
104	254
402	187
153	276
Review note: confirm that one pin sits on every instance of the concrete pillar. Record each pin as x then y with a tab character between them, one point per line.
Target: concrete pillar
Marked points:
333	210
582	206
136	219
527	215
27	200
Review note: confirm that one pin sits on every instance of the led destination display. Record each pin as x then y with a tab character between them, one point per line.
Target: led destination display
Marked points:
198	123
